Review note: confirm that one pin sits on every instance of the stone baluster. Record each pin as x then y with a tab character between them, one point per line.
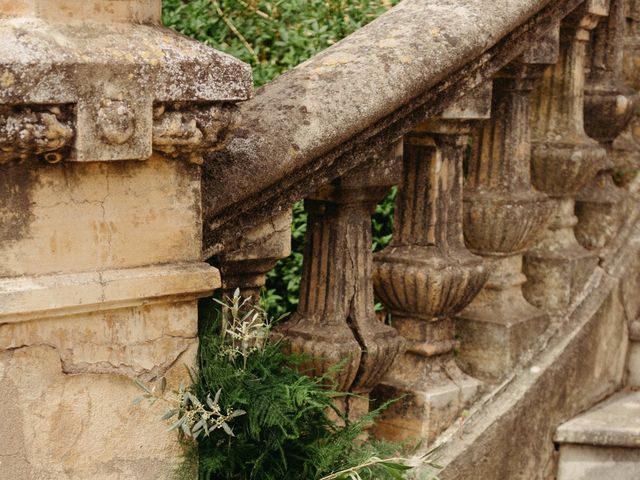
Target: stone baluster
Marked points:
336	324
426	275
600	206
563	160
503	217
246	267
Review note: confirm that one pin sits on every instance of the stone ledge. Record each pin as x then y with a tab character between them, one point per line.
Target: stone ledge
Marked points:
30	298
615	423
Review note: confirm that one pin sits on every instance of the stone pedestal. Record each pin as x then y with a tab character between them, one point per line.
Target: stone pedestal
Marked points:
101	133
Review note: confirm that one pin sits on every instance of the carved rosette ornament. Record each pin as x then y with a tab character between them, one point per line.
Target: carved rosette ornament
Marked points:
424	277
336	324
563	160
503	217
601	205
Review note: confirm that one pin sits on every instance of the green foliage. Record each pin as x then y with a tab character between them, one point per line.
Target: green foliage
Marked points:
272	36
283	431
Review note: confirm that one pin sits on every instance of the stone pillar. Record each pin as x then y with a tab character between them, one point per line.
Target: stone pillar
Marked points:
563	160
600	206
335	323
503	217
103	119
424	277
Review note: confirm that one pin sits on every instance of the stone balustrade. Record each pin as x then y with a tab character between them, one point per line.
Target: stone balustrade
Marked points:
122	171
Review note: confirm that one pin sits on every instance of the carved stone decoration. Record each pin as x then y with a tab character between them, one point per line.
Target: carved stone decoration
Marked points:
191	130
563	160
600	206
424	277
25	132
112	110
503	216
335	323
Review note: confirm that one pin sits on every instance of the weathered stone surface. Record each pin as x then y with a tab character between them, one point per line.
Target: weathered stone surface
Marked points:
425	276
499	328
633	363
564	160
503	216
113	108
246	267
603	442
75	217
79	425
100	261
329	114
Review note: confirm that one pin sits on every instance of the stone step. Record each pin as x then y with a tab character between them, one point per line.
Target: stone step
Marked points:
602	443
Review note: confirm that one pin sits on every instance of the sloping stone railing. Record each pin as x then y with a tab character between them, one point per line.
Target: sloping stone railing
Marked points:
129	155
498	122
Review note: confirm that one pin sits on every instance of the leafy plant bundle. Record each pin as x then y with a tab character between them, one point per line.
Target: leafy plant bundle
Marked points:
286	432
250	414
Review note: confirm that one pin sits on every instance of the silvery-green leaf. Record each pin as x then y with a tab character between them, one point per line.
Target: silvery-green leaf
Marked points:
163	384
142	386
210	402
179	422
237	413
170	414
185	429
217	397
227	429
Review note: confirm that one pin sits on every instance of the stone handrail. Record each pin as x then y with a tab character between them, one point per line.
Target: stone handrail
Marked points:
329	114
538	88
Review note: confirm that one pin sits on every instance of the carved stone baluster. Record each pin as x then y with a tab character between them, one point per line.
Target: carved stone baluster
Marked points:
503	217
626	147
424	278
335	322
600	206
246	267
563	160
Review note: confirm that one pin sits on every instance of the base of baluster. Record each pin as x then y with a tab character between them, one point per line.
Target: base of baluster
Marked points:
353	408
555	278
494	340
429	404
601	209
499	327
